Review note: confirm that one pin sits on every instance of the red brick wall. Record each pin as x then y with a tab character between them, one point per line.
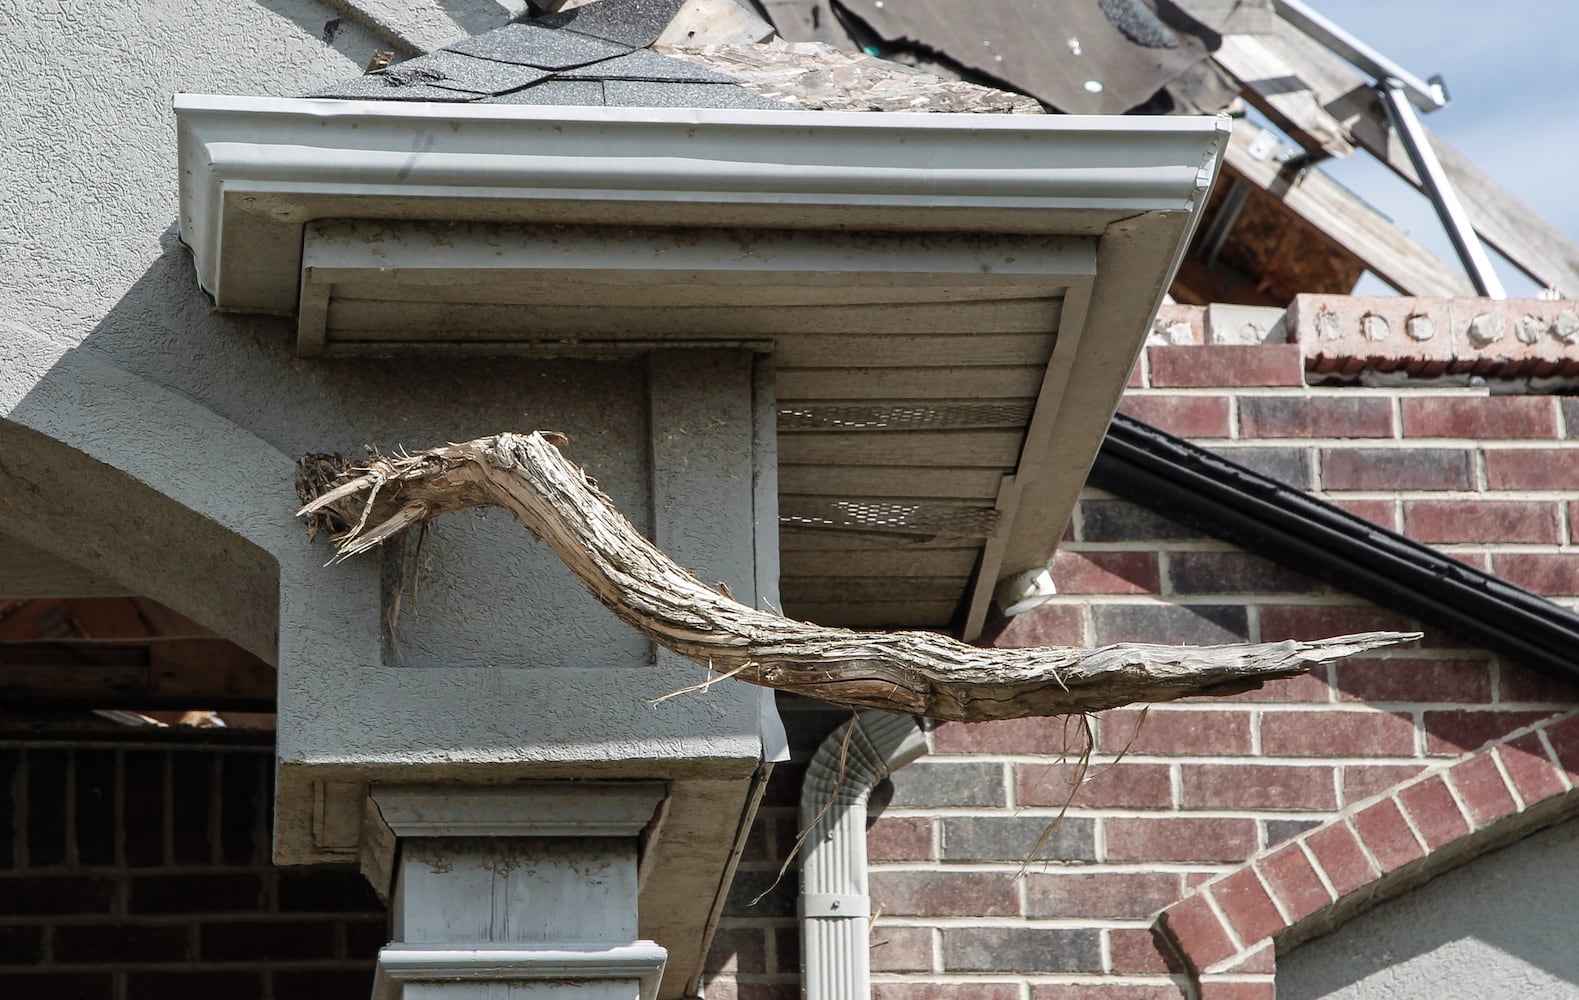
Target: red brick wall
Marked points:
132	871
1188	791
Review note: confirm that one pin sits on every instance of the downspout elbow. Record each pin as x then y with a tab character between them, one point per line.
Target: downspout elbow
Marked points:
835	903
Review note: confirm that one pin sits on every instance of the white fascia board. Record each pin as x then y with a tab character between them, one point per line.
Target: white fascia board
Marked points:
255	170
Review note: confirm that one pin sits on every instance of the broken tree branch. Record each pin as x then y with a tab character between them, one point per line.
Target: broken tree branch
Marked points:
919	673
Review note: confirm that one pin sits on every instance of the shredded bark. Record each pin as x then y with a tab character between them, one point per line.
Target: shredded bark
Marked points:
918	673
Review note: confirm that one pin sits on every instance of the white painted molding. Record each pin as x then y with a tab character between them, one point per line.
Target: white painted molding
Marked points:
835	903
254	171
358	275
401	964
524	809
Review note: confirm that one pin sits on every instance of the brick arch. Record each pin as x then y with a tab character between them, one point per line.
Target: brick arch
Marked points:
1228	930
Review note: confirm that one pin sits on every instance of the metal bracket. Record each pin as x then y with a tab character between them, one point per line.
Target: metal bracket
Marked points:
834	904
1427	95
1433	179
1263	145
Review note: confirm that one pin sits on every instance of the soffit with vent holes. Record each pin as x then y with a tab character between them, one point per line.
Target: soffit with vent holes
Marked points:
951	302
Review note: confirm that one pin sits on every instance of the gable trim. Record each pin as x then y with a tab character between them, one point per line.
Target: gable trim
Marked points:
1229	930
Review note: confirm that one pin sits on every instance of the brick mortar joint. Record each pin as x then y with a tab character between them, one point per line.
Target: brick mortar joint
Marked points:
1207	890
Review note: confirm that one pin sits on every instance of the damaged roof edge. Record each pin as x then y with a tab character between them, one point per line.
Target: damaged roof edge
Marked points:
1191	485
266	166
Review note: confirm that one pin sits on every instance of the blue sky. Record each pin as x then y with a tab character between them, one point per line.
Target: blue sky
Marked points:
1512	68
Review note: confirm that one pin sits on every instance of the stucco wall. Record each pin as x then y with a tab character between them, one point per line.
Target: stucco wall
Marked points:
1500	927
111	353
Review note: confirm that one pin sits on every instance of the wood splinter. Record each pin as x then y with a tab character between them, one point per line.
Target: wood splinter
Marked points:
918	673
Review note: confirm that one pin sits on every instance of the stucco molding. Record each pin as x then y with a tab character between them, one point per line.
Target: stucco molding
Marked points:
522	809
641	962
142	483
235	486
1228	931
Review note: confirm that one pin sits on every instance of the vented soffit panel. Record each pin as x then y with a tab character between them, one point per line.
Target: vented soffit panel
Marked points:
999	273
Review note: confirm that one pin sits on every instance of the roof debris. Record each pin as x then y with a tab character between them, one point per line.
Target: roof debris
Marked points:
1080	58
608	53
1285	230
593	54
1139	23
820	77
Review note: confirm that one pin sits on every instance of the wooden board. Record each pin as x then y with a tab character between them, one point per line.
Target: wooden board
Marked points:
964	385
871	590
1270	255
906	562
1531	242
846	350
352	320
870	480
1276	88
1386	250
174	673
902	614
993	449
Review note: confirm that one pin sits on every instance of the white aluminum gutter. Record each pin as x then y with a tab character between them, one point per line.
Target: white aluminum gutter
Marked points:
255	170
835	906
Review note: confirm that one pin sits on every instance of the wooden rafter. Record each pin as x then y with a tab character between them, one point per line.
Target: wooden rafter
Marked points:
169	673
1324	104
1386	250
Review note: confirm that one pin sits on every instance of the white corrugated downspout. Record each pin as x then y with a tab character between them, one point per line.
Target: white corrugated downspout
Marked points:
835	908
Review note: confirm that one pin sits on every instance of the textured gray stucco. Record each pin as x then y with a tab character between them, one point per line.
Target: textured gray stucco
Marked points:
146	438
1500	928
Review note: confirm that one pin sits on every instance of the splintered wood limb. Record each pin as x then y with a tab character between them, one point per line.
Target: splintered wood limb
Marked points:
919	673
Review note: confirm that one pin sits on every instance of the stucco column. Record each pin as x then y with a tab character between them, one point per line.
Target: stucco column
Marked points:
519	891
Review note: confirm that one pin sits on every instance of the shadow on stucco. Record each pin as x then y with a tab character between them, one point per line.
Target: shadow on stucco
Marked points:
477	565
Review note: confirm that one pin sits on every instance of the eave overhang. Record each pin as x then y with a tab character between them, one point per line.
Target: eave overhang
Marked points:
255	170
278	194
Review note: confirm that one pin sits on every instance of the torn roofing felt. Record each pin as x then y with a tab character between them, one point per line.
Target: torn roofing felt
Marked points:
595	54
1191	485
1078	56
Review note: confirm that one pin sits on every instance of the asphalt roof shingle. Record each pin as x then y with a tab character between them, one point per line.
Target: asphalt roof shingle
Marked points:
590	55
644	65
378	87
563	93
636	23
457	71
633	94
535	45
